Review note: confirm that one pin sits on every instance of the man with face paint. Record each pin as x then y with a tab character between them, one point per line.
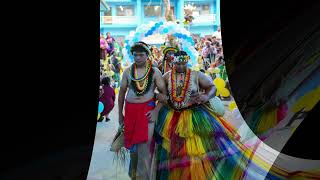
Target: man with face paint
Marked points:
187	127
168	56
137	92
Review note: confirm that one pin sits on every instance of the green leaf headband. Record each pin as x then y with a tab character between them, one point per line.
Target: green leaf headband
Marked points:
165	50
182	58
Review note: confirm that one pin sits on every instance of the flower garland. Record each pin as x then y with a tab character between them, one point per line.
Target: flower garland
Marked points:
134	75
181	59
186	84
146	80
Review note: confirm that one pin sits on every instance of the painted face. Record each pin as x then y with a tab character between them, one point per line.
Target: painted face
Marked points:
181	67
170	55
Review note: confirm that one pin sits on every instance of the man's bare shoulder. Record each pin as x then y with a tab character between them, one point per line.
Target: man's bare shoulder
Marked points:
166	75
156	71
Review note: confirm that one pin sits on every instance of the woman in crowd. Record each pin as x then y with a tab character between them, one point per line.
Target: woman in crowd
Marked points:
107	98
103	47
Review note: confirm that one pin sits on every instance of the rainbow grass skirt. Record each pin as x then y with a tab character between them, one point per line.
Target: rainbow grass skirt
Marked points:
191	142
196	144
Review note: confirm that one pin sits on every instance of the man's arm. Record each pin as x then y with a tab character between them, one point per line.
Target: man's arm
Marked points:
206	83
122	93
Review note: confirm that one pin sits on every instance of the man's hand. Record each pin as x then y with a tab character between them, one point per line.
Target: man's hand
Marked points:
199	98
149	115
162	98
202	98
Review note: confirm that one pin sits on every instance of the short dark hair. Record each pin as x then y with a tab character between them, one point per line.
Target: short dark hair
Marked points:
140	47
202	70
105	81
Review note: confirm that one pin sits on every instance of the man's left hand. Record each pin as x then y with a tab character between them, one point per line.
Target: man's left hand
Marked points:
202	98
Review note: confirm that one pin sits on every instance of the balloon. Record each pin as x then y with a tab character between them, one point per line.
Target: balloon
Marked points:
232	106
101	107
219	83
224	92
165	30
216	70
217	105
135	39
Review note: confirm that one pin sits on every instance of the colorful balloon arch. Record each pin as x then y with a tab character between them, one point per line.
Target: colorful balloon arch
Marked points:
162	27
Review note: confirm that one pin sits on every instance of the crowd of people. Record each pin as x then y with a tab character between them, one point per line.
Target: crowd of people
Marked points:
111	58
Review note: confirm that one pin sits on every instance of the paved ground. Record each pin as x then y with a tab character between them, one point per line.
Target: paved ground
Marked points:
102	166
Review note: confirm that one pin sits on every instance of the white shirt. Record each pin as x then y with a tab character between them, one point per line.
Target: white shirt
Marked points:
217	35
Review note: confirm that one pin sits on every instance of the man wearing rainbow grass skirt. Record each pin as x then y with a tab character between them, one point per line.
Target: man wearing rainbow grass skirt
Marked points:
189	135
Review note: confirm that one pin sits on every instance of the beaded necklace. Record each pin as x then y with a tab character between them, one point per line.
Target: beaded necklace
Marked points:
185	87
146	80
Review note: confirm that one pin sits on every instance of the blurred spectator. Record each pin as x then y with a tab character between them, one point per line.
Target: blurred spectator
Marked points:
103	47
217	34
116	68
208	54
110	40
107	98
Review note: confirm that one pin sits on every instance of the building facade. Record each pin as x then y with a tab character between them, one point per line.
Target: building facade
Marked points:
122	16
